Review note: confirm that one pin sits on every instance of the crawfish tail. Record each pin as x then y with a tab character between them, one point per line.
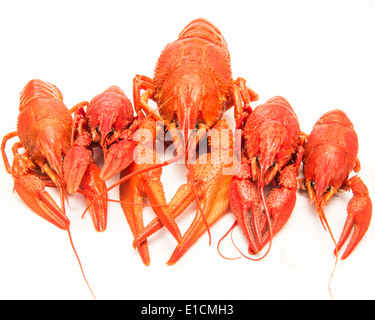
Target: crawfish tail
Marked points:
38	89
202	28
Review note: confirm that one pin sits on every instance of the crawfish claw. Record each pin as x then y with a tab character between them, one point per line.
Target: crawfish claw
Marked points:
76	162
119	156
31	190
91	186
246	206
359	216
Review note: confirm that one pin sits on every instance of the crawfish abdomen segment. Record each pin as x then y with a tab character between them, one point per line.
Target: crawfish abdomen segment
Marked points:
37	89
203	29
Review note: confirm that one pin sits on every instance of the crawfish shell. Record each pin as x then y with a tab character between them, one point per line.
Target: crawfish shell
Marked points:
45	120
182	53
260	126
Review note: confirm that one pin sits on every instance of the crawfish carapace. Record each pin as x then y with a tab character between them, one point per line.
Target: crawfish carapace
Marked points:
272	153
331	155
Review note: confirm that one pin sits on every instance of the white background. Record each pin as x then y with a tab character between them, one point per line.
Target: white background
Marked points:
320	55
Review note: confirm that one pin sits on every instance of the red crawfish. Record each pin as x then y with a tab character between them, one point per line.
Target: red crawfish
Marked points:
272	153
192	87
331	155
44	130
105	123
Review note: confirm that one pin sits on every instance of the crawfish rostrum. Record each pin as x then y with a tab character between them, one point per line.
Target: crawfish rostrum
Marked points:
192	87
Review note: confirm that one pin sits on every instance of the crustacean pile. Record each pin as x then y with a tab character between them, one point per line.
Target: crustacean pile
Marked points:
192	88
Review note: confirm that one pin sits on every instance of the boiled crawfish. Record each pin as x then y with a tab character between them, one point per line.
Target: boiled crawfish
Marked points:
105	123
272	153
44	129
192	87
331	155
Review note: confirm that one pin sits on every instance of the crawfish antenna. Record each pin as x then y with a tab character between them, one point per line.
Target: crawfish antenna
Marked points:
127	177
79	262
191	148
261	192
223	237
324	220
192	180
239	250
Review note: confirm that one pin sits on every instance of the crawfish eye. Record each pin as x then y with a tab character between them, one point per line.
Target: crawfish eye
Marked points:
258	159
312	183
197	125
97	129
328	189
176	124
273	164
111	132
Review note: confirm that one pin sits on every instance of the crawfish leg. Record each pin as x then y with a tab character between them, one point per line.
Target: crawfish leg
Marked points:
141	83
3	144
141	101
79	119
242	96
78	106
